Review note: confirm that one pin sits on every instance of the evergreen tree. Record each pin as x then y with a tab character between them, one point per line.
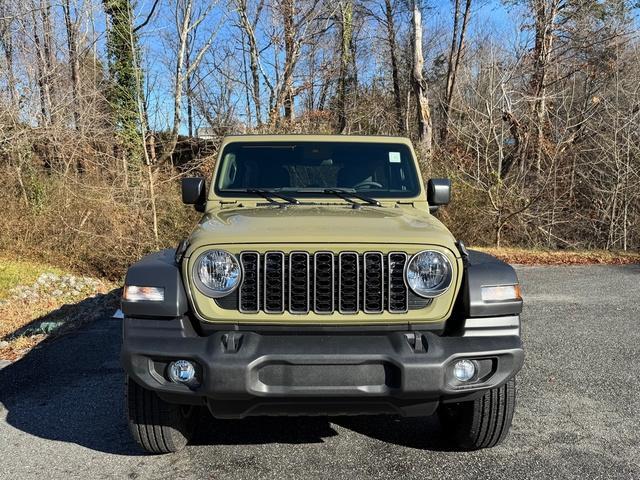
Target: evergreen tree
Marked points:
122	52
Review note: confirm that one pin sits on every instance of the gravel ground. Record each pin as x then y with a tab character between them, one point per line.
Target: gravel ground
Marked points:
578	414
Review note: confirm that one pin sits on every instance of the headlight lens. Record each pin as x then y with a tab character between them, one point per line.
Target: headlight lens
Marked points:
429	273
217	273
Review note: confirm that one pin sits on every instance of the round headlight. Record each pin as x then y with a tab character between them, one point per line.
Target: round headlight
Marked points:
429	273
216	273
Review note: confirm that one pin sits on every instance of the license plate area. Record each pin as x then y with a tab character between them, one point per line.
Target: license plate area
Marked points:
359	377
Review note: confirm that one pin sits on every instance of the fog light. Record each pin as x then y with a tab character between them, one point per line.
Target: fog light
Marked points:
464	370
182	371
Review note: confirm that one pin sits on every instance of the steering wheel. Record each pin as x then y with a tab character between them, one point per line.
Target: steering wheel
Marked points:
368	184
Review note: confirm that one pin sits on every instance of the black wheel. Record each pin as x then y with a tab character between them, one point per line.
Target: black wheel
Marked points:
481	423
157	426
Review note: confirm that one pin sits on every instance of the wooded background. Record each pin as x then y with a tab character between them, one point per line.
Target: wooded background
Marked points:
530	106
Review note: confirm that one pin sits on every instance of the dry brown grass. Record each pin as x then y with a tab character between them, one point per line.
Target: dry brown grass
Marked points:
562	257
89	223
30	305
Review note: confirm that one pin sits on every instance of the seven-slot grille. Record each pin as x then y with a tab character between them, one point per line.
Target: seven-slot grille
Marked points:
323	282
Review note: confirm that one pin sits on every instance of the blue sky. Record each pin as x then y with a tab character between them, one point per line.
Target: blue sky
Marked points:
490	17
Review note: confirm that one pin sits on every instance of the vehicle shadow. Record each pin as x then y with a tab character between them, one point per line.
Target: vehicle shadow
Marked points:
423	433
262	430
71	389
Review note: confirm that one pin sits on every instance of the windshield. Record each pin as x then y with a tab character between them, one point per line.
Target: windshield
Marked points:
374	169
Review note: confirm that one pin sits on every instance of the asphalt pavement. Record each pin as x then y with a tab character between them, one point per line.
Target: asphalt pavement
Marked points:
578	413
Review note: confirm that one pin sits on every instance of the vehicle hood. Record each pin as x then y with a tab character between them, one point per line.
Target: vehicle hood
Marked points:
330	224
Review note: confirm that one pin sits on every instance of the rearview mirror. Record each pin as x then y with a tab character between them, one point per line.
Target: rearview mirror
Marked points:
194	192
438	192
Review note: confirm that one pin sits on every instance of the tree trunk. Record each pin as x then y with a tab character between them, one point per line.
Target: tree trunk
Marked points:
545	12
344	80
179	76
48	52
187	87
290	50
43	89
6	42
391	39
74	64
455	53
425	134
254	57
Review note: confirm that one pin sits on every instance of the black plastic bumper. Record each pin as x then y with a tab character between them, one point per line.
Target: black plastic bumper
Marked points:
247	373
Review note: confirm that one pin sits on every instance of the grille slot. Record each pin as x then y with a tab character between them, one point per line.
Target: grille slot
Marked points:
323	282
398	293
299	282
373	282
274	282
348	282
249	295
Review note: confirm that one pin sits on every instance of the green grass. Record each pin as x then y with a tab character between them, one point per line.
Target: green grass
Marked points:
20	272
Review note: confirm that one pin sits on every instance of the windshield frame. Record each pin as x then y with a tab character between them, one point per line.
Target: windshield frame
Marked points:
224	195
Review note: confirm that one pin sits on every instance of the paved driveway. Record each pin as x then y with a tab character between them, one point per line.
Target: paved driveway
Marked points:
578	415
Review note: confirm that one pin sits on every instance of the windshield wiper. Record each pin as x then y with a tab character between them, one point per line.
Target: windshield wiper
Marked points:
269	194
349	196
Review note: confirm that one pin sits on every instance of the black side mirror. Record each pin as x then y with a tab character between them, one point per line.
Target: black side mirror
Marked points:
194	192
438	192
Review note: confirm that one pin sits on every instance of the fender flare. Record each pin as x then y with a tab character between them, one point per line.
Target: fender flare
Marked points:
158	269
482	269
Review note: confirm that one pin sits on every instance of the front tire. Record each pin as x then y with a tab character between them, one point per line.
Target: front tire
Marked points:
480	423
157	426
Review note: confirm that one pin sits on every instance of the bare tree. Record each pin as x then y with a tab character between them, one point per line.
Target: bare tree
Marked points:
74	62
425	132
187	20
545	15
249	28
345	79
6	43
393	58
453	60
298	28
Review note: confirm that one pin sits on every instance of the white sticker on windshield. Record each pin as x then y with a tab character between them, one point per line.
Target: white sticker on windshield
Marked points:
394	157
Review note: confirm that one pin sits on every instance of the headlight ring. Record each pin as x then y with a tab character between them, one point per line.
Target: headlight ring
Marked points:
216	273
428	273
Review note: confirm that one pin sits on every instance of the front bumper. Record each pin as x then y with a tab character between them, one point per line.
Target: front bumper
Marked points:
248	373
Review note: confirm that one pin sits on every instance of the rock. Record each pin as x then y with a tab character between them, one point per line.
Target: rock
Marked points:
50	327
4	344
56	293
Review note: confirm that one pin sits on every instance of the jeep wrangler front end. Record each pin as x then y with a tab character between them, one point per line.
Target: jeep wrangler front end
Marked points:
319	282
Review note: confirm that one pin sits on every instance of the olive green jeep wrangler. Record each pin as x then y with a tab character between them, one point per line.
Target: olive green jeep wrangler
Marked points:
319	282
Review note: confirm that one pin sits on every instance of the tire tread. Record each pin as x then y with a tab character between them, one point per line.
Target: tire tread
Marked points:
481	423
155	425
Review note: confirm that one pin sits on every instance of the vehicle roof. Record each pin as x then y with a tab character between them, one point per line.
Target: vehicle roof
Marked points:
316	138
